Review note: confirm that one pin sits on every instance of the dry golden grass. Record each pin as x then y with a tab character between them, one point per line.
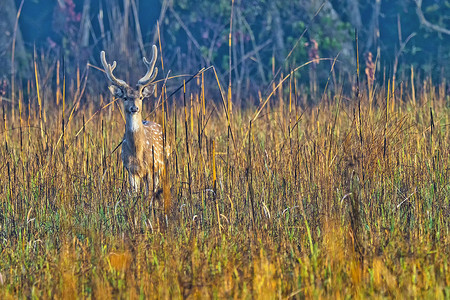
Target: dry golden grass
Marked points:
319	202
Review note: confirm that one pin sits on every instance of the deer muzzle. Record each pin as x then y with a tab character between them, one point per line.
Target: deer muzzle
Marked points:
134	109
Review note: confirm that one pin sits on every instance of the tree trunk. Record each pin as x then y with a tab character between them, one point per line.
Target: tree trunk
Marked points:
85	24
373	26
354	14
8	14
278	32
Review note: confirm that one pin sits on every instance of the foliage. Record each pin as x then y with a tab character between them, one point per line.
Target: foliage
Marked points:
428	50
195	34
281	23
66	24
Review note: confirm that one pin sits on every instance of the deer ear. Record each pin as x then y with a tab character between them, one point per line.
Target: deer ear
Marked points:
148	90
116	91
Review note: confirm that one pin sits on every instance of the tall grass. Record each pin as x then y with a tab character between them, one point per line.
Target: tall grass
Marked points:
323	201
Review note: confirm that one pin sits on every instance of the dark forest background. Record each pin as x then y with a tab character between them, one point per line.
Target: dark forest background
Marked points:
267	36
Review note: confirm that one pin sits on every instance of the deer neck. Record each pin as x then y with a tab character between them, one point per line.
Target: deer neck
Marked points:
134	130
133	123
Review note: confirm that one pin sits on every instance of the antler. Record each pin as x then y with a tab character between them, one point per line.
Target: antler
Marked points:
151	70
109	71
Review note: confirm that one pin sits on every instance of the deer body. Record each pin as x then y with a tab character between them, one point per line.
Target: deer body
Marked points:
142	144
138	156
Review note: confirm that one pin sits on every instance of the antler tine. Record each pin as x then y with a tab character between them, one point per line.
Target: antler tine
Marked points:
109	69
151	70
113	66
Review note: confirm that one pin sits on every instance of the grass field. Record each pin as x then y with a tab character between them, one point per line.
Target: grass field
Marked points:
348	198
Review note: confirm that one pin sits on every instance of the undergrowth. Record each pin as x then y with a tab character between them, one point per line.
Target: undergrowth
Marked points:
347	198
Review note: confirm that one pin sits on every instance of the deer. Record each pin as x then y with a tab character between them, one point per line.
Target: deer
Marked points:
142	144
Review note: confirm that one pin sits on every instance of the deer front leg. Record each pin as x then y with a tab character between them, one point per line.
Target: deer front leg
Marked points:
151	185
148	184
156	181
134	181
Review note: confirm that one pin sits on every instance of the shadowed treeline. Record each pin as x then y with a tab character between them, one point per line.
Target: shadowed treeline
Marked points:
247	40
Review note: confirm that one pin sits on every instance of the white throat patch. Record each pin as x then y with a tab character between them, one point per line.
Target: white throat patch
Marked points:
133	124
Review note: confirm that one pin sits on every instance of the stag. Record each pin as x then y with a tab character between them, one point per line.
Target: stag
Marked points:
142	144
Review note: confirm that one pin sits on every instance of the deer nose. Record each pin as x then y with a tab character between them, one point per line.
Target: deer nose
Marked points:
134	109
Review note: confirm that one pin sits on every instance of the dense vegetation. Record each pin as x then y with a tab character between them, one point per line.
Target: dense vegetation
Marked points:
298	169
347	198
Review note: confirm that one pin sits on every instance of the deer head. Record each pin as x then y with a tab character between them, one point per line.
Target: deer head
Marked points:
144	88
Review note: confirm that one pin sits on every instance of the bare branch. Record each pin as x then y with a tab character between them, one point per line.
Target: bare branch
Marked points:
426	23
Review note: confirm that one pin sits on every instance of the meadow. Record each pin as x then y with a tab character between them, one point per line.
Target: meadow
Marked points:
346	198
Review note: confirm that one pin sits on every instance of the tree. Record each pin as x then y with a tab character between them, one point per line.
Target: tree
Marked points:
428	24
10	35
